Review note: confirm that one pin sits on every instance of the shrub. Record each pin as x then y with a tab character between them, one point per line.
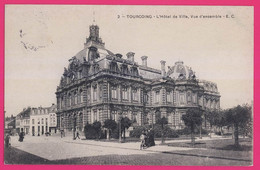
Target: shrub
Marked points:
168	132
218	133
93	131
137	131
115	133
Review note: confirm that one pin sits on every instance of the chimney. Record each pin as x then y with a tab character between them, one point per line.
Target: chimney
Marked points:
144	60
163	68
130	56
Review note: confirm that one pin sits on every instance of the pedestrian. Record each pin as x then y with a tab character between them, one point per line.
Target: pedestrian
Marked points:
61	133
142	138
21	136
7	140
150	138
77	135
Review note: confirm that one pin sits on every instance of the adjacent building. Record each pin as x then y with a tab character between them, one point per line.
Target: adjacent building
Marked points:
22	122
10	125
43	120
98	84
37	121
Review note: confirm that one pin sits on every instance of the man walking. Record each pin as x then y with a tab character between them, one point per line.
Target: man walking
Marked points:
77	135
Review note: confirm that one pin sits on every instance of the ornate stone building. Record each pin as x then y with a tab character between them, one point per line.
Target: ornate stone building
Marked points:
99	85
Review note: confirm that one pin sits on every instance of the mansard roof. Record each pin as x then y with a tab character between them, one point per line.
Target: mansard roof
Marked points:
94	58
25	113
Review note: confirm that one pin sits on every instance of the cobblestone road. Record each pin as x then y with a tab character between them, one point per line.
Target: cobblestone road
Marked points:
67	151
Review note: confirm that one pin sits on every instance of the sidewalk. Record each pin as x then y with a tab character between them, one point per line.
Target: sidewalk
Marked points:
184	151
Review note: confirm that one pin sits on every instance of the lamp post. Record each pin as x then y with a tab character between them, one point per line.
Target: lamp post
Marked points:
152	118
119	128
74	126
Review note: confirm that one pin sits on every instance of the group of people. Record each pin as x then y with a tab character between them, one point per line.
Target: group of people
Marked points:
62	134
7	139
147	139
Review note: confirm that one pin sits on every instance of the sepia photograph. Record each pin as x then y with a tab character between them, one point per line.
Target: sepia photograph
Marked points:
128	85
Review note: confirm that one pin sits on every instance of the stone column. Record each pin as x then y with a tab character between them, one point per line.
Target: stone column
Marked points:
119	93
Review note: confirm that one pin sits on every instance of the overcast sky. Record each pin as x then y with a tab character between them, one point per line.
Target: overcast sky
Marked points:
218	49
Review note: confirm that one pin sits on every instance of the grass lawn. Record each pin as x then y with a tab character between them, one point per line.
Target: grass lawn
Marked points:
223	144
132	139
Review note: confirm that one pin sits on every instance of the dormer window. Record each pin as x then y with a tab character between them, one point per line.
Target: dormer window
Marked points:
113	66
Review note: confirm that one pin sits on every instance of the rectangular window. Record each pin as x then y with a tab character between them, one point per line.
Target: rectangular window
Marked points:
189	97
114	92
33	121
124	93
194	98
75	98
168	98
135	95
95	116
95	93
181	98
169	119
114	115
134	117
157	96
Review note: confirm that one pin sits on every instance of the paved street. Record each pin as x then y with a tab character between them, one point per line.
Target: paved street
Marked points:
67	151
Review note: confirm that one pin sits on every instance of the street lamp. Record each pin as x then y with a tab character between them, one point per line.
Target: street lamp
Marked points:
74	126
119	128
152	119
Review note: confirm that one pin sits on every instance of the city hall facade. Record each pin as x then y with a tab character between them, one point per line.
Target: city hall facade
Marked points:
99	85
